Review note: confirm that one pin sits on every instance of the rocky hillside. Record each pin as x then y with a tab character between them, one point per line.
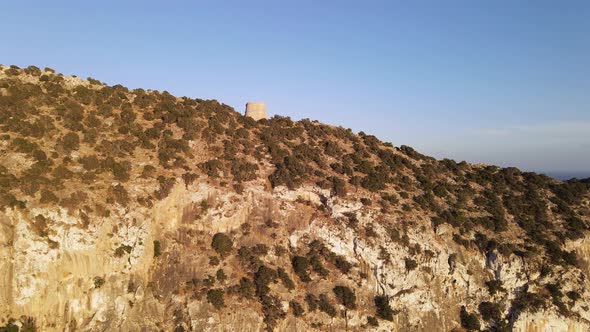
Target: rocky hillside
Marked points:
135	210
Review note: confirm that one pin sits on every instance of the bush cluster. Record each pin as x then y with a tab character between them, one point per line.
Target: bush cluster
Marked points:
384	310
222	244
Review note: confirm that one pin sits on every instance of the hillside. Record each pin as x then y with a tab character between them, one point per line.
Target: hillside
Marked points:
135	210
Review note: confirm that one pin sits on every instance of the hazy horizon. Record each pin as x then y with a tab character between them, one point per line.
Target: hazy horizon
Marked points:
500	83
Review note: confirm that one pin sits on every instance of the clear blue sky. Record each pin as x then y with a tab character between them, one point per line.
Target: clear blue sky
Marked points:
501	82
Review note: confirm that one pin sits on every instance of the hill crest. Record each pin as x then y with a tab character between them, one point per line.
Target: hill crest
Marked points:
136	200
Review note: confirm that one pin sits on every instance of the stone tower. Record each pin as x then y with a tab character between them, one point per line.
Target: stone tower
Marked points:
256	110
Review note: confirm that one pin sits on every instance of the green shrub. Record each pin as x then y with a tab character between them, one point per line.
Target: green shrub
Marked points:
410	264
62	173
220	275
90	136
83	95
48	197
71	142
148	171
373	182
326	306
352	219
556	296
342	264
366	201
127	116
531	302
312	302
372	321
211	167
9	327
215	297
243	170
23	145
9	200
93	81
157	249
391	198
249	257
246	288
573	295
166	185
291	170
384	310
40	226
338	186
118	194
33	70
90	162
213	261
345	296
262	278
222	244
297	308
490	311
98	282
270	304
12	72
122	249
317	265
189	178
332	148
28	324
362	165
271	309
469	321
285	279
301	267
494	286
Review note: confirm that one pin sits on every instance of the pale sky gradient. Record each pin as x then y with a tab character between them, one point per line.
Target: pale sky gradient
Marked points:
500	82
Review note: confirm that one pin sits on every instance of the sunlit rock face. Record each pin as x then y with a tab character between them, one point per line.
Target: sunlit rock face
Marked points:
173	214
82	282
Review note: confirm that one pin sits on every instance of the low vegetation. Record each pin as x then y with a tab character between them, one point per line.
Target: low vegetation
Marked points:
94	150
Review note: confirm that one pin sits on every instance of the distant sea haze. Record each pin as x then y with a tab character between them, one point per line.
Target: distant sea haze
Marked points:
563	176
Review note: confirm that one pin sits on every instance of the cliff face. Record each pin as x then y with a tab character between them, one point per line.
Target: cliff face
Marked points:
58	286
212	222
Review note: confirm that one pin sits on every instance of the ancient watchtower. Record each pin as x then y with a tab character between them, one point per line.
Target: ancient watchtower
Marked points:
256	110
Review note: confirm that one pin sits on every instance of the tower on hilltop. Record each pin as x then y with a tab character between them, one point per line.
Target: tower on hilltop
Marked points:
256	110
